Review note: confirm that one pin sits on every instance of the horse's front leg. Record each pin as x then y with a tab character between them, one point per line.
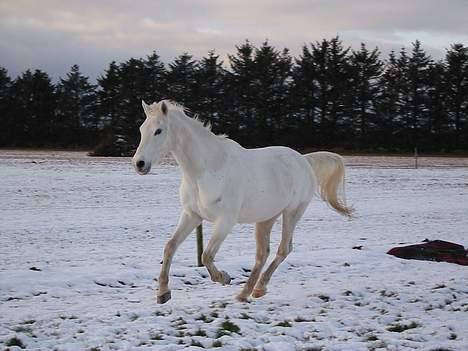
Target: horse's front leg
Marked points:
187	223
222	228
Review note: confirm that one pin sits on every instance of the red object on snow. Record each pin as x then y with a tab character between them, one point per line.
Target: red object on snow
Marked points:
435	250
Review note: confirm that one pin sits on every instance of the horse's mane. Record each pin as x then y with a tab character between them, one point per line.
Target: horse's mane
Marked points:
191	117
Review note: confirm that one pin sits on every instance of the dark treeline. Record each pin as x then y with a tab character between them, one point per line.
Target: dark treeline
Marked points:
329	97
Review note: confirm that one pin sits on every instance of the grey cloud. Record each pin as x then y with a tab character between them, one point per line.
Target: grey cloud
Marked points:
53	34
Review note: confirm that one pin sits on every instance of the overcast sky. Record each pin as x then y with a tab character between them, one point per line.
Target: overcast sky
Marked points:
54	34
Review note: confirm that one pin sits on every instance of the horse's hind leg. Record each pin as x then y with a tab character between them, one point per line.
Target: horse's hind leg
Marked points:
290	219
221	230
262	237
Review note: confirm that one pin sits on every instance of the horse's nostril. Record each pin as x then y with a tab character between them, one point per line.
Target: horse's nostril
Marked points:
140	164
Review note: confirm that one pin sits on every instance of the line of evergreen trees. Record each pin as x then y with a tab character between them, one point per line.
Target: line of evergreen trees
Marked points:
329	97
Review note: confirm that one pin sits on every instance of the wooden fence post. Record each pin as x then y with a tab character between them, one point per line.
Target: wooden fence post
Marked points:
199	245
416	157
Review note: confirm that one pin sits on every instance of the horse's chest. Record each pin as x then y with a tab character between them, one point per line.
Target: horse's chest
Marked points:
202	199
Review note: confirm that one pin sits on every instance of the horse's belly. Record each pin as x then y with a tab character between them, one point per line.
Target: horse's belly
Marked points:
259	214
264	203
283	183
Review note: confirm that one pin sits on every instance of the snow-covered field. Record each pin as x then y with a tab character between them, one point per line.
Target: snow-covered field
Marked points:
82	238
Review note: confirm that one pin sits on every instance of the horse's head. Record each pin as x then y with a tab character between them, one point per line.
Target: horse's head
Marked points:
154	142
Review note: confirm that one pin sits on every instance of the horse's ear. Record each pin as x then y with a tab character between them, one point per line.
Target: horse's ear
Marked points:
145	106
164	108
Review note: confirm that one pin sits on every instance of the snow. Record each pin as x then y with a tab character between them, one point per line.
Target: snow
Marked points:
93	233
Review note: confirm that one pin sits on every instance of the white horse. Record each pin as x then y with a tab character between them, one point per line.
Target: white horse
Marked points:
226	184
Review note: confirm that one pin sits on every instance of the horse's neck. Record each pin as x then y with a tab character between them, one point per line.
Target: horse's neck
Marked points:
195	150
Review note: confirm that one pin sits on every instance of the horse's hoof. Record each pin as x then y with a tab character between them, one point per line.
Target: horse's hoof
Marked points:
164	297
225	278
258	293
241	298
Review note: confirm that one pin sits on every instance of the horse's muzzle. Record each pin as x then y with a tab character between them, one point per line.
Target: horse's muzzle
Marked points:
142	167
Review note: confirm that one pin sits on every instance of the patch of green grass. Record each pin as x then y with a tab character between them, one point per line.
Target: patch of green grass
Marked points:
398	328
155	336
133	317
372	337
199	332
245	316
284	324
217	343
214	314
227	328
14	341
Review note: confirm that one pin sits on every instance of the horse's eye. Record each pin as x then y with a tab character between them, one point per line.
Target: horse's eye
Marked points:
158	131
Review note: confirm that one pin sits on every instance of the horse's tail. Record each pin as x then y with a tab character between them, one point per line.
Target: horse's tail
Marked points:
329	170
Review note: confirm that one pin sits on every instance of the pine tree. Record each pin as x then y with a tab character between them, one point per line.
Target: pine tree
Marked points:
457	93
403	123
366	73
182	84
6	118
108	95
304	97
271	85
156	86
417	78
76	108
437	127
33	107
134	82
212	90
332	89
108	110
242	109
390	83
